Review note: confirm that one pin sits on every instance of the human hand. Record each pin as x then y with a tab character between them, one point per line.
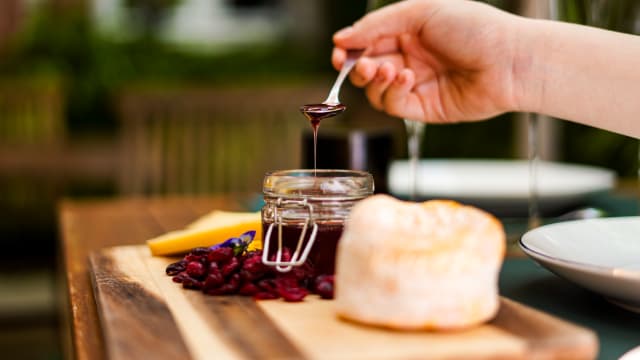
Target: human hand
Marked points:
436	60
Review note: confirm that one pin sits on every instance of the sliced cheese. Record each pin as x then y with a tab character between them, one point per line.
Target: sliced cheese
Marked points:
211	229
218	218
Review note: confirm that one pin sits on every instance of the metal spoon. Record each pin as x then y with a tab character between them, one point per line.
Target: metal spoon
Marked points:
332	106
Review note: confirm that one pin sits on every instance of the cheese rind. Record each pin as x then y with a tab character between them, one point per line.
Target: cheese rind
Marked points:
211	229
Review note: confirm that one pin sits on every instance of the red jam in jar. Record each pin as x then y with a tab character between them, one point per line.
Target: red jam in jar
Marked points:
305	211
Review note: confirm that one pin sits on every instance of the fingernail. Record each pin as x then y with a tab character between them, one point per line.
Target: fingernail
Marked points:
401	79
346	32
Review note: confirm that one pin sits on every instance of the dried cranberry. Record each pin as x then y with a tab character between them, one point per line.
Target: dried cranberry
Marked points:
265	295
229	288
325	290
257	253
234	282
180	277
323	286
200	251
286	282
300	272
196	269
217	271
191	283
249	276
255	267
176	268
230	267
293	294
253	263
220	255
323	278
213	267
248	289
213	280
193	257
267	285
286	255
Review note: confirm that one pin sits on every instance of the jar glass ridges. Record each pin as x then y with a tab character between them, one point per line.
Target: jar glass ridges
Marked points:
305	211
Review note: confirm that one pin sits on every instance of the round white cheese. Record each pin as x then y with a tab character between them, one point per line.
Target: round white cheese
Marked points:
431	265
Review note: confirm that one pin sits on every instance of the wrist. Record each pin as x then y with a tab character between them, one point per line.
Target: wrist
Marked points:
531	44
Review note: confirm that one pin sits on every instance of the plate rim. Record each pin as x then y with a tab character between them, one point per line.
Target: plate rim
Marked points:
582	266
519	197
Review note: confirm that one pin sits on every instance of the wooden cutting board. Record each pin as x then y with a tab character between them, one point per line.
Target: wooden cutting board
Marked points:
144	315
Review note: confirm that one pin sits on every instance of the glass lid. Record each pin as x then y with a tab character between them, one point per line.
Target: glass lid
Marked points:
321	184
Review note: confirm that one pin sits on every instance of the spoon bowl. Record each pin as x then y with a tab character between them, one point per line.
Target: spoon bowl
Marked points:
332	106
321	111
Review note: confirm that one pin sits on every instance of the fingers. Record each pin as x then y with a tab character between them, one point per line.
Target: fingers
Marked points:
390	91
338	56
376	88
364	72
384	46
379	49
366	68
393	93
385	22
397	100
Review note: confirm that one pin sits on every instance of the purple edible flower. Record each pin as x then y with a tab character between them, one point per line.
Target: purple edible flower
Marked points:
238	244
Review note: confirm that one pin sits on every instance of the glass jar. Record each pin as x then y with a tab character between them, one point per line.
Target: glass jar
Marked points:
305	211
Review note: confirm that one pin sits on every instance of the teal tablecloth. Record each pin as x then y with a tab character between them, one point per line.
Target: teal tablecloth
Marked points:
618	330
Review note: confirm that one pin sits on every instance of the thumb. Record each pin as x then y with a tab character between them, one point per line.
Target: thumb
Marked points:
388	21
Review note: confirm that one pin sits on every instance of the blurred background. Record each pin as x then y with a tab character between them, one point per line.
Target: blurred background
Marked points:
159	97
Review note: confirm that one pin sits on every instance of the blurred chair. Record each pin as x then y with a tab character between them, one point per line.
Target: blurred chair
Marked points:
34	141
30	115
210	140
32	132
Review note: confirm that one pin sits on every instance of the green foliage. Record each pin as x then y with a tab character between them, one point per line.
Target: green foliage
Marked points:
587	145
94	67
150	14
617	15
475	140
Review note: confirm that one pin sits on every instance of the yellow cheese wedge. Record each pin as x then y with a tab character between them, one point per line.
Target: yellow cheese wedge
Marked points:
211	229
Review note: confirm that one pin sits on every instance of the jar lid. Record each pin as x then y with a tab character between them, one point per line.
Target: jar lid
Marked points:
318	184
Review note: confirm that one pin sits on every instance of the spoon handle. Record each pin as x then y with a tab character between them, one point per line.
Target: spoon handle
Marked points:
350	61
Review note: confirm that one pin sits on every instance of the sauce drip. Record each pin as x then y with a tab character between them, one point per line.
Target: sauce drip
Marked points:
315	113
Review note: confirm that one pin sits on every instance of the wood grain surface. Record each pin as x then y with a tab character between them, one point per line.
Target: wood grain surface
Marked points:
240	328
130	311
90	225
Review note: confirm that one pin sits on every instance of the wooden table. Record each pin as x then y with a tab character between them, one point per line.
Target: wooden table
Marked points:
92	225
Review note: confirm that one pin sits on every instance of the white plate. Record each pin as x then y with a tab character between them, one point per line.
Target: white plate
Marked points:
501	185
602	255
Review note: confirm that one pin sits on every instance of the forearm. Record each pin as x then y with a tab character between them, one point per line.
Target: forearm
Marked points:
582	74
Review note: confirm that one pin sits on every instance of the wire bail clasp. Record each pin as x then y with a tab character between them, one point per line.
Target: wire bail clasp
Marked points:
286	266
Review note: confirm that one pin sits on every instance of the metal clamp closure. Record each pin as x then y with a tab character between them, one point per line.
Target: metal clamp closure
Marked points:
297	259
